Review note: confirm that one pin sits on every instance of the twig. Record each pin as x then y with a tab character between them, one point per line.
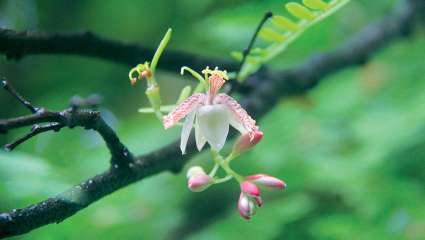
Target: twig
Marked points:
36	129
247	50
71	118
15	94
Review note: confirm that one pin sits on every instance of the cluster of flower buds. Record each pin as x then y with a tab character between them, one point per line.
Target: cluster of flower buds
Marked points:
250	197
197	179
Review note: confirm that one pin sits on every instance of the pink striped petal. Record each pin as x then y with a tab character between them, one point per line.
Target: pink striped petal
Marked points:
183	109
238	113
267	180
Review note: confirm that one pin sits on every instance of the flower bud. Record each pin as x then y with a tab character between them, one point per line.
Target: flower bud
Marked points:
198	180
154	97
247	141
258	201
267	181
250	189
199	183
245	206
195	170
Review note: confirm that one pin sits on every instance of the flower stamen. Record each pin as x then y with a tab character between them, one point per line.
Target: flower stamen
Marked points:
139	72
216	80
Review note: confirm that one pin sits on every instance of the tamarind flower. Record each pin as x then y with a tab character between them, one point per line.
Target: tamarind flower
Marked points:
211	113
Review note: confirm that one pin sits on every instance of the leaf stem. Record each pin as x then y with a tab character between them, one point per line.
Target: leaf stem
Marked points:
246	51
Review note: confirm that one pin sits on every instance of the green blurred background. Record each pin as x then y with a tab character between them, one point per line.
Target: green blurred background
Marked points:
352	150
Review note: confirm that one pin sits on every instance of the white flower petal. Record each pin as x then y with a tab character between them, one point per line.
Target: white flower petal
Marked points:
234	122
214	124
200	139
238	115
187	126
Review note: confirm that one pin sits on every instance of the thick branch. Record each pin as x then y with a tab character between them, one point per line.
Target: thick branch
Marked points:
262	98
16	45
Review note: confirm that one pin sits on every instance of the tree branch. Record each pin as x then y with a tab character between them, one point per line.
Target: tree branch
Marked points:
16	45
15	94
71	118
261	99
35	130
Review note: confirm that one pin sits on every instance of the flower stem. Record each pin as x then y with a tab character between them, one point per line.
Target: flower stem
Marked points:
214	170
159	50
231	156
222	180
224	164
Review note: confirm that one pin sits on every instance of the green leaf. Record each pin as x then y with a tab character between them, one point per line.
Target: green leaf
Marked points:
237	55
259	52
280	41
299	11
270	35
316	4
253	60
284	23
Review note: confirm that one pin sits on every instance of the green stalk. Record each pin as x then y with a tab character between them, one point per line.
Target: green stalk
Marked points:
226	166
159	50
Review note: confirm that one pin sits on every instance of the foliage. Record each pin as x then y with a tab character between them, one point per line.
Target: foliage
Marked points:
284	31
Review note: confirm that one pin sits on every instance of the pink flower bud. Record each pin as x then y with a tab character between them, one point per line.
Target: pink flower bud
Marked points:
199	182
267	181
250	189
258	201
194	170
245	206
247	141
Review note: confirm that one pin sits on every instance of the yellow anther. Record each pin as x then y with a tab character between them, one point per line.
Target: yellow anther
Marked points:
143	71
223	74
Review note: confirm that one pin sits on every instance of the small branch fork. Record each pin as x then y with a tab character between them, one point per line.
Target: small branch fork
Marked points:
43	120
